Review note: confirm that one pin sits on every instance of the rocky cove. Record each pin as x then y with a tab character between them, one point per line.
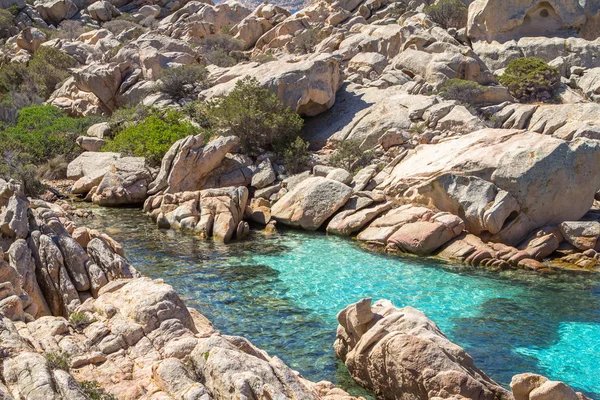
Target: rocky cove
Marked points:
395	199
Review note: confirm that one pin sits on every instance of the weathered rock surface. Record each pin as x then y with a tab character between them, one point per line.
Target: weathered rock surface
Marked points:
126	182
306	86
311	203
532	176
531	386
211	212
188	163
399	353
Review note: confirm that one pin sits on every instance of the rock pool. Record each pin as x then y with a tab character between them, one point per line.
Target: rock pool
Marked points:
283	292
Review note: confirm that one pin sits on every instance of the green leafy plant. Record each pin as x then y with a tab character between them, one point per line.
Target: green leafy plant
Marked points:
184	82
460	90
49	67
94	391
448	13
530	79
7	24
296	155
256	116
58	360
350	156
79	320
152	137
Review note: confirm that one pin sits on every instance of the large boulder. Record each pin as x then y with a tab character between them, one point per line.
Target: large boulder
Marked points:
89	168
126	182
311	203
307	86
189	162
55	11
503	20
400	353
534	178
103	11
536	387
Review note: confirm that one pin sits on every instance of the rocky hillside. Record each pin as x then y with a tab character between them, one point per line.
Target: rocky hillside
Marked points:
464	130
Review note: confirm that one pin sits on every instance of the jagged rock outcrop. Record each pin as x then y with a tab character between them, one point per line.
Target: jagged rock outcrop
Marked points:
126	182
532	177
399	353
215	213
307	86
311	202
197	20
260	21
89	168
502	20
188	163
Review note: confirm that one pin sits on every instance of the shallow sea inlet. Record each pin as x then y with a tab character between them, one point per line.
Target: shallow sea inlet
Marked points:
283	293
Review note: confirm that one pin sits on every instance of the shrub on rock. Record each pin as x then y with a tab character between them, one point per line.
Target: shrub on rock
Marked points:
222	50
448	13
530	79
256	116
152	137
460	90
184	82
349	156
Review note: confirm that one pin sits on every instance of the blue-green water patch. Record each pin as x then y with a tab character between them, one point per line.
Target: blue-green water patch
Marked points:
283	293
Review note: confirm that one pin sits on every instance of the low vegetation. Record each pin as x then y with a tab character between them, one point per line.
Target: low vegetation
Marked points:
295	156
184	82
79	320
448	13
222	50
307	41
152	136
58	360
256	116
531	79
350	156
41	134
465	92
94	391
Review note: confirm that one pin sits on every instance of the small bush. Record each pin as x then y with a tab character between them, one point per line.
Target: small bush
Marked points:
7	24
117	26
94	391
349	156
152	137
448	13
530	79
222	50
79	320
263	58
58	360
70	30
460	90
307	41
295	157
48	68
184	82
256	116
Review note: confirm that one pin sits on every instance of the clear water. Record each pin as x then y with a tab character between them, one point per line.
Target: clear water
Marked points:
283	293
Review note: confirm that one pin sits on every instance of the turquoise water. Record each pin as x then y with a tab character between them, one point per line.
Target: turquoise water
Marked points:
283	293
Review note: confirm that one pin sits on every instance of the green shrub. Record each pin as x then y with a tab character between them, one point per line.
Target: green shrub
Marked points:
263	58
460	90
94	391
256	116
349	156
79	320
222	50
152	137
184	82
49	67
16	77
7	24
295	157
448	13
530	79
58	360
40	134
70	30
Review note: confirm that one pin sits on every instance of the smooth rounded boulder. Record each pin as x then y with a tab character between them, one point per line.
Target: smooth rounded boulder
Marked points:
311	203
